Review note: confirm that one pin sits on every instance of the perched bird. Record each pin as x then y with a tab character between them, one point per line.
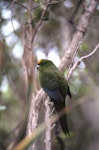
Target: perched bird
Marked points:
53	82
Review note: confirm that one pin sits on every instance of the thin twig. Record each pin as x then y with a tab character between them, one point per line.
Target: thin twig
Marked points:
51	3
16	16
21	5
56	2
90	54
13	26
76	10
41	21
81	59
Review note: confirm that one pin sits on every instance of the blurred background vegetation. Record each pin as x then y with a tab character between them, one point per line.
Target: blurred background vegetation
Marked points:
53	38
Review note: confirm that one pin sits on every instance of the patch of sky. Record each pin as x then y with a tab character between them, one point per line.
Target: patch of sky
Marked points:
4	84
53	55
17	51
2	107
8	28
6	14
40	54
11	39
98	7
68	4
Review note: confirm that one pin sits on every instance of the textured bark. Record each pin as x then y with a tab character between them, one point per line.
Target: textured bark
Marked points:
78	35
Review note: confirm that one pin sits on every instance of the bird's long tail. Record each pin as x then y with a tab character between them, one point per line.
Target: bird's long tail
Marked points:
59	106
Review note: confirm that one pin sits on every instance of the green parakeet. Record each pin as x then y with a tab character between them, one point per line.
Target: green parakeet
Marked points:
55	85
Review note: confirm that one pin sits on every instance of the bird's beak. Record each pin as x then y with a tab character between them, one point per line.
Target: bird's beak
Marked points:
38	66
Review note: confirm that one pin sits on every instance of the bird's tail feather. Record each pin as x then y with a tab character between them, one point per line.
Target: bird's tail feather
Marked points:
63	120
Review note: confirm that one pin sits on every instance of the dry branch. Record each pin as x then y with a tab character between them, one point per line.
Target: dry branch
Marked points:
48	123
80	60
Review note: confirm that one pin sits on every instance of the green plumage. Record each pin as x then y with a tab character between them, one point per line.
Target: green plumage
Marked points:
55	85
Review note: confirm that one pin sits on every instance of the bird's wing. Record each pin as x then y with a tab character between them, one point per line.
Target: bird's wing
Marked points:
51	85
54	94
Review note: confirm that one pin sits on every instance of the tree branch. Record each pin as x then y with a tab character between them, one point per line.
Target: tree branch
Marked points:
78	35
48	124
75	11
81	59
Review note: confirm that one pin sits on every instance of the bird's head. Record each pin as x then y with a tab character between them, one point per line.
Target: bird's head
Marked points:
44	63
